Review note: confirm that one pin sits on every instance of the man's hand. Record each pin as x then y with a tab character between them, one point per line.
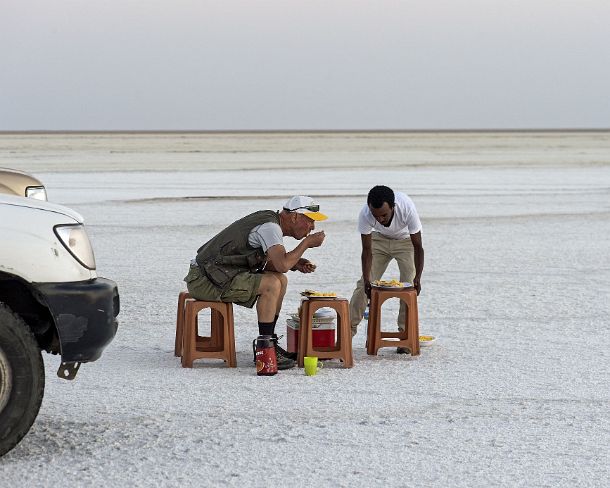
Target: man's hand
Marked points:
315	240
304	266
367	289
417	284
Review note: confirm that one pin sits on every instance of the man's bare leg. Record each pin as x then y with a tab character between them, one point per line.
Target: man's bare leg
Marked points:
269	291
271	295
284	283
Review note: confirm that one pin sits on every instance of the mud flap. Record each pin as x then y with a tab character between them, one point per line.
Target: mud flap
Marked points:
68	371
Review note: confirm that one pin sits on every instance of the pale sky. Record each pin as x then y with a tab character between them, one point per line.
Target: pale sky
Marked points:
304	64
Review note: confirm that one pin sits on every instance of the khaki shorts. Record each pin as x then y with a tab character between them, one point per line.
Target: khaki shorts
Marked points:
243	290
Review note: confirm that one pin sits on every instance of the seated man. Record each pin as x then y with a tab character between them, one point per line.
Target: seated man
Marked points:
246	263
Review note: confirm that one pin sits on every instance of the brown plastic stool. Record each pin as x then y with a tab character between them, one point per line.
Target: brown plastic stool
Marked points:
406	338
216	326
343	345
221	342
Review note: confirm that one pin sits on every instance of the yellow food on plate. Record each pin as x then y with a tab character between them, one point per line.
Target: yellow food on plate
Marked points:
390	283
314	293
426	340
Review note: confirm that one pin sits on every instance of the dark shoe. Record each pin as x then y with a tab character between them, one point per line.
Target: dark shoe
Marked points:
284	362
279	350
403	350
284	359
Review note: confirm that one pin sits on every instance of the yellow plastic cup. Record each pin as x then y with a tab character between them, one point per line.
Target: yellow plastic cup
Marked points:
311	365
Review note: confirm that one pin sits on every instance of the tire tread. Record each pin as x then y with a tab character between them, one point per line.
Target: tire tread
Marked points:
13	325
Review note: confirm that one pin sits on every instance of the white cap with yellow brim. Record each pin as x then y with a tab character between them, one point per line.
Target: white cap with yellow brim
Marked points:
306	206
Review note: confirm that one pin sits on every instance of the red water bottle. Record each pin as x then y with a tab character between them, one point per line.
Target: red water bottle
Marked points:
266	361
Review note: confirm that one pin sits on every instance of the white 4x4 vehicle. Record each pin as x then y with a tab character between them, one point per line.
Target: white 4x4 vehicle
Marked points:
50	299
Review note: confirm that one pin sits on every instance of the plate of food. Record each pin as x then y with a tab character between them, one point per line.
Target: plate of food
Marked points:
426	340
390	284
321	295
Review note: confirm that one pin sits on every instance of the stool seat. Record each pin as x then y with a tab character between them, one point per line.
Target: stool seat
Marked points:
343	345
409	337
189	345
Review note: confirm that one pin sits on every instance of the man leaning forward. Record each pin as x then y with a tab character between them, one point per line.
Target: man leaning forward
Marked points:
246	263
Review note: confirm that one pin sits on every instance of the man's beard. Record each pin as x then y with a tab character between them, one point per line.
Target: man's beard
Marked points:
389	221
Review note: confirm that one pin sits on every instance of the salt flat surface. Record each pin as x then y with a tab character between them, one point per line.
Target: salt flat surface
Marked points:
513	393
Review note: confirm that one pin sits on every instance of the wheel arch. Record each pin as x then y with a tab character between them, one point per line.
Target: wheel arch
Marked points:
23	299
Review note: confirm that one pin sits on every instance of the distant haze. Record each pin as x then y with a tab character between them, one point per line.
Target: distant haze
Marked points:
304	64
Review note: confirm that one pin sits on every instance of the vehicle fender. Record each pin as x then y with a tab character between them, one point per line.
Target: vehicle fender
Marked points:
28	232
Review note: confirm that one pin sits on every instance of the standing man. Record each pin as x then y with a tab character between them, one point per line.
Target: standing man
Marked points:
390	229
246	263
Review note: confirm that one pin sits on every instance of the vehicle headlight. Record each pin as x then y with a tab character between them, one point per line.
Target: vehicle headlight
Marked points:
76	241
37	192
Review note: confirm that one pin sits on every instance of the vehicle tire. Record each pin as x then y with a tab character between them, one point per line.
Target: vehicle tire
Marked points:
21	379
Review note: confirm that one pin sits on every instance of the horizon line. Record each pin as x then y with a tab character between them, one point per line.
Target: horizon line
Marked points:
296	131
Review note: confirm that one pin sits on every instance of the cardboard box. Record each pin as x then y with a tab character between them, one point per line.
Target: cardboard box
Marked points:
323	335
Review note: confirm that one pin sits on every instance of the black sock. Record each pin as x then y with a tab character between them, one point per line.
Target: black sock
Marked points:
275	322
266	328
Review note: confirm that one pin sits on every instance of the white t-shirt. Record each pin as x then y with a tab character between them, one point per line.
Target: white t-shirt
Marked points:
404	223
266	235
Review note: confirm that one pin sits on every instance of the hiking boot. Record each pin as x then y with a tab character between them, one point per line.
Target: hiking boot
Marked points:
284	362
284	358
280	350
403	350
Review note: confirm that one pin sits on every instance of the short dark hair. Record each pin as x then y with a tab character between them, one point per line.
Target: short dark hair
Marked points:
380	194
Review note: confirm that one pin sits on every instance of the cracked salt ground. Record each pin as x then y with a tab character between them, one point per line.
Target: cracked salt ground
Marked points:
516	283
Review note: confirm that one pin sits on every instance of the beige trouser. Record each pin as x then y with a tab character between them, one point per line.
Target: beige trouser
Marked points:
383	251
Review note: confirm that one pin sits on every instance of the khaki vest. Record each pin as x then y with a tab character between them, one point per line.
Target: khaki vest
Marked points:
228	253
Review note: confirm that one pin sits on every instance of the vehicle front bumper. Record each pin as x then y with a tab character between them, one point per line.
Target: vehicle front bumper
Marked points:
85	316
